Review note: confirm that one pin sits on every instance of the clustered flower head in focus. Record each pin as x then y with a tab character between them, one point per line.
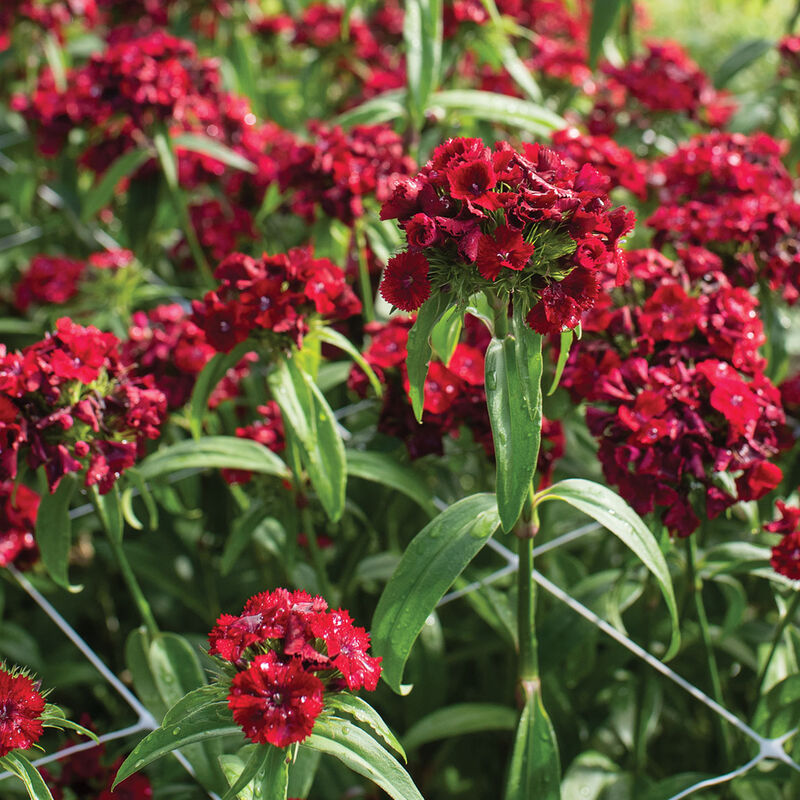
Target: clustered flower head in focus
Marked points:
21	709
455	396
525	223
282	654
686	420
274	294
68	403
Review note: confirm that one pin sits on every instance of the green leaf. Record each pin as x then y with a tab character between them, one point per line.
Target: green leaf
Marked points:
422	33
308	416
207	723
255	764
447	332
500	109
176	667
229	452
604	13
385	469
303	772
102	192
364	712
137	659
434	559
28	774
385	107
611	511
513	398
335	338
166	158
778	711
212	373
357	750
563	355
744	54
419	348
206	146
193	701
54	531
460	719
535	771
109	509
53	717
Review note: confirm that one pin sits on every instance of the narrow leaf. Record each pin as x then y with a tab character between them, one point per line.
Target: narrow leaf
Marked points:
28	774
611	511
447	332
386	470
54	531
211	374
109	509
219	452
604	13
335	338
102	192
419	348
744	54
364	712
563	355
535	770
256	763
460	719
209	722
422	33
206	146
434	559
357	750
385	107
308	416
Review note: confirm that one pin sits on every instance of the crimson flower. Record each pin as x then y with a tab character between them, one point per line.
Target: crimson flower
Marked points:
21	706
473	181
504	248
786	556
405	283
274	702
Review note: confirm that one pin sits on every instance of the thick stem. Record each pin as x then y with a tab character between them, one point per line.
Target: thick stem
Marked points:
776	639
364	281
526	610
696	586
128	575
500	308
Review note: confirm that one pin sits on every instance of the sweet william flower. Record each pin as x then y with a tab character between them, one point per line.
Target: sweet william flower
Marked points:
786	556
405	283
21	707
504	248
274	702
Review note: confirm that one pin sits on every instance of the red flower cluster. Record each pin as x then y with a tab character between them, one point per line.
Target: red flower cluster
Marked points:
288	649
166	344
789	49
68	403
786	554
339	169
731	194
21	706
617	163
18	508
48	279
268	430
274	293
663	78
455	397
525	222
685	417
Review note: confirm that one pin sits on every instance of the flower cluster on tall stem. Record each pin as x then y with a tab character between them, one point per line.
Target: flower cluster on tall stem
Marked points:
21	708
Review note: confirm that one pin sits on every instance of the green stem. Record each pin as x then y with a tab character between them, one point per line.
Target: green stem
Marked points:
316	556
526	610
696	586
776	639
365	283
140	601
500	308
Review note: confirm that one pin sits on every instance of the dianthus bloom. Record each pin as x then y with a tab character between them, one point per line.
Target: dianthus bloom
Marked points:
48	280
786	554
527	223
21	708
286	651
276	294
69	404
18	508
677	394
732	195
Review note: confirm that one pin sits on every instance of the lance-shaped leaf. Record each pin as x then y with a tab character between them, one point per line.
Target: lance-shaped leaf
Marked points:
422	32
206	146
54	531
611	511
357	750
28	774
365	713
431	563
309	418
604	14
208	722
419	348
535	771
101	194
459	719
228	452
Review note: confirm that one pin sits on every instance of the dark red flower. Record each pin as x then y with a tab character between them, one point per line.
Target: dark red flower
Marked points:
405	282
21	706
503	248
473	181
275	702
347	647
758	480
789	521
786	556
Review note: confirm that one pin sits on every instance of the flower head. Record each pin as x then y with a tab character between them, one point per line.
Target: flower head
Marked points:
21	706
